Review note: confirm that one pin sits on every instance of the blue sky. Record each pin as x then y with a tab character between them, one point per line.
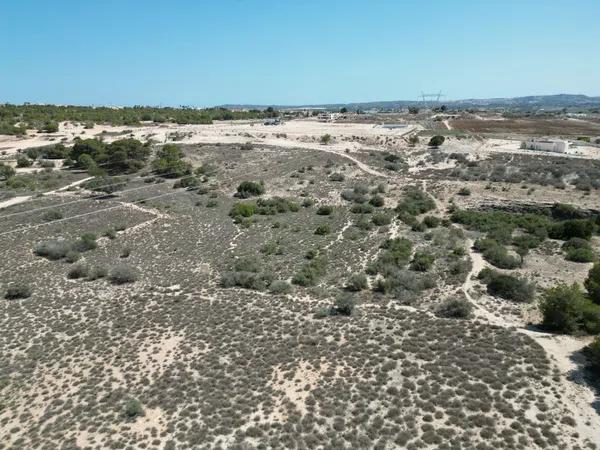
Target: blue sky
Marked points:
124	52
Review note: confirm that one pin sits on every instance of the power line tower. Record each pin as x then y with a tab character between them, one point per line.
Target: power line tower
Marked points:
436	96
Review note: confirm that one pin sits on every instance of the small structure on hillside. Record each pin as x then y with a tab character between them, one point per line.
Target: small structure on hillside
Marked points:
546	145
273	121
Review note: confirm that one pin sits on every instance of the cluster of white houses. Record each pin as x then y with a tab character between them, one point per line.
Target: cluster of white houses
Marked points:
546	145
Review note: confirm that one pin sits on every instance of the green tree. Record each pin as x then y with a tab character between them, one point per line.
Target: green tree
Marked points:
592	283
436	141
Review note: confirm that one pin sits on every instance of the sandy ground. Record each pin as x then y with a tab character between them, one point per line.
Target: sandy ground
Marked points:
306	134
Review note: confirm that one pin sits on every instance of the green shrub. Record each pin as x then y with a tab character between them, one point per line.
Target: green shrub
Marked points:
247	189
395	255
280	287
242	209
431	221
357	282
22	161
52	214
361	208
581	255
325	210
415	202
133	409
592	283
311	272
325	139
507	286
436	141
344	305
422	262
576	228
275	205
53	250
336	177
72	256
86	242
377	200
498	256
78	271
323	229
464	191
6	171
169	162
455	308
97	272
381	219
122	273
566	309
17	290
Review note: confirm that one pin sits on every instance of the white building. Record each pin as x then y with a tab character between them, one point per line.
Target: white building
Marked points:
546	145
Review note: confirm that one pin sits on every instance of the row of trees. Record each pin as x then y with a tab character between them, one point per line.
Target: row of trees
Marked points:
14	119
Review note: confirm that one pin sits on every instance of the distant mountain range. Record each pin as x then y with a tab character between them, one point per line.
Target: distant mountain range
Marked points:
529	102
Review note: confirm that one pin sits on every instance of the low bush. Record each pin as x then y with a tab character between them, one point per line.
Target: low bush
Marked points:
431	221
576	228
415	202
436	141
311	272
78	271
455	308
122	274
357	282
323	229
336	177
566	309
86	242
22	161
422	262
507	286
464	191
242	209
581	255
133	409
381	219
377	200
17	290
52	214
361	208
280	287
325	210
498	256
396	254
344	305
247	189
53	250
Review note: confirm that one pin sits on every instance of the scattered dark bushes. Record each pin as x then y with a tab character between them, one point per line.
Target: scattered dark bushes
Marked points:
413	203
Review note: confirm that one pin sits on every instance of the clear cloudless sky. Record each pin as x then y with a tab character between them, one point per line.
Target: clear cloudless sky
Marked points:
210	52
